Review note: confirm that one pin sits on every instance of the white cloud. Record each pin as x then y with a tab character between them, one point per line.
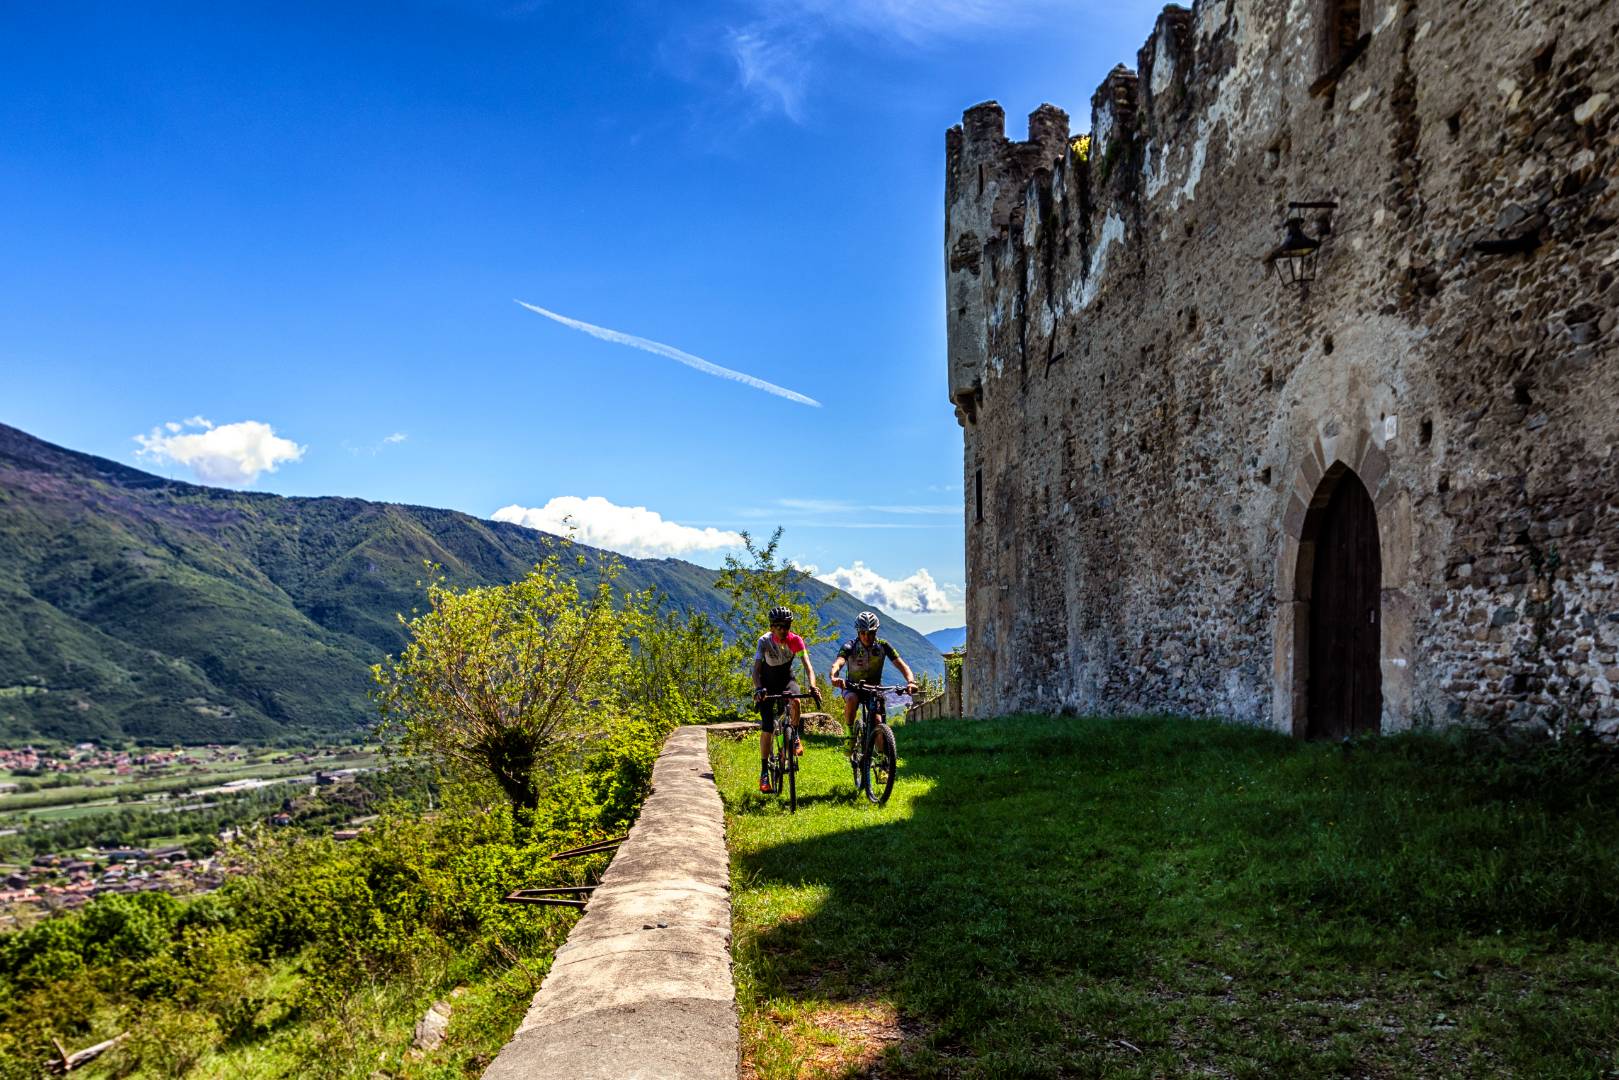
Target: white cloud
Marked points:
377	447
840	506
773	66
658	348
231	454
631	530
775	53
920	20
916	594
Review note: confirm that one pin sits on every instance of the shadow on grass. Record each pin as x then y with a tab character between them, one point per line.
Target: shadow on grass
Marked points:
1054	897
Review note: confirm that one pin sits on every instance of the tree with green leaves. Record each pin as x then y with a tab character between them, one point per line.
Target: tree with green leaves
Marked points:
681	669
762	580
511	683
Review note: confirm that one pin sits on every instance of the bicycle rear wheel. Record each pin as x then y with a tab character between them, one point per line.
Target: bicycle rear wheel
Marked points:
774	761
857	739
792	771
883	764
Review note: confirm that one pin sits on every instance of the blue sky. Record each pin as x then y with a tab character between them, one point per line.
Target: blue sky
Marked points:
278	246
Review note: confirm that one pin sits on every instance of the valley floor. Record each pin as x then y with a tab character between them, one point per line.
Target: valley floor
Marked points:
1152	897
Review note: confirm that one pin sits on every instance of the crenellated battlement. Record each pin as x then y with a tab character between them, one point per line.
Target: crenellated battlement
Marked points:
986	180
1005	199
1209	80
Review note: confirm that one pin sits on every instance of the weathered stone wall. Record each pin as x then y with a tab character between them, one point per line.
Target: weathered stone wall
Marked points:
1148	414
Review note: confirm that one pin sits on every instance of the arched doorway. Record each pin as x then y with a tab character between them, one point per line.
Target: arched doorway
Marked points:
1341	564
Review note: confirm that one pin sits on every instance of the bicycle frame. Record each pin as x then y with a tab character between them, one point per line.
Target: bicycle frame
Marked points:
871	717
873	711
783	761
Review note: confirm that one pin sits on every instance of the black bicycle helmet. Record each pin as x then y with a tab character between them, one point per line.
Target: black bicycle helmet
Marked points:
866	620
781	616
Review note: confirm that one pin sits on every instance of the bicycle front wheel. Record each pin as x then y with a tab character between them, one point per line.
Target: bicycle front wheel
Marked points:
792	775
884	764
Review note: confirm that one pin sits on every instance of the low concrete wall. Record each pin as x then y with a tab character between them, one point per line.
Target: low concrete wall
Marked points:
946	704
642	988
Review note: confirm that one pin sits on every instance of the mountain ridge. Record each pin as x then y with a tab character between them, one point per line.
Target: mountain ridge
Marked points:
137	607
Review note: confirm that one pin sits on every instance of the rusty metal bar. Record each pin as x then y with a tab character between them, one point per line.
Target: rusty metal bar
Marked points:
590	849
521	897
582	852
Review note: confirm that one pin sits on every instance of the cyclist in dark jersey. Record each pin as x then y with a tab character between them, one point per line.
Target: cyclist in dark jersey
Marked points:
863	657
773	674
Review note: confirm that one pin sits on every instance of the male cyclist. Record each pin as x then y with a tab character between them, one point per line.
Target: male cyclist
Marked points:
864	658
773	674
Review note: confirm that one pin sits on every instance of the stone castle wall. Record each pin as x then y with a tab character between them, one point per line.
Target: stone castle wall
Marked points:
1148	414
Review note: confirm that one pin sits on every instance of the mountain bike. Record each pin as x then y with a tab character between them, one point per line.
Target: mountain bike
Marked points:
875	759
783	761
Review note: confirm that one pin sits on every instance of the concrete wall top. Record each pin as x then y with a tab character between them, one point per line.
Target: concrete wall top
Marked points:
642	989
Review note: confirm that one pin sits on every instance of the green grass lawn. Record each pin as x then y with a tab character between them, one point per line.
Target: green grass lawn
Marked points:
1150	897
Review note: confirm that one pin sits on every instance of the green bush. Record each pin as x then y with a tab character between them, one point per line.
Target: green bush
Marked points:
168	1041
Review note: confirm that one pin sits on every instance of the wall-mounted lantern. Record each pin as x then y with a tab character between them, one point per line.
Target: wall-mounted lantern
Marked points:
1294	260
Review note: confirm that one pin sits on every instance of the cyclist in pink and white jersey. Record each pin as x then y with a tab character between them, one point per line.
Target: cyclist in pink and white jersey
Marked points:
773	674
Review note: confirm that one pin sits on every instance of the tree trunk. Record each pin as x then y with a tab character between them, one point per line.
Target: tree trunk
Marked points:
513	762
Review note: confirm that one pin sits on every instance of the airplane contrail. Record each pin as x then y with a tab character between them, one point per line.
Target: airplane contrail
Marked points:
660	349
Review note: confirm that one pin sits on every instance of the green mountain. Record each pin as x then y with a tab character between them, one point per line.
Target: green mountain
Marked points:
137	607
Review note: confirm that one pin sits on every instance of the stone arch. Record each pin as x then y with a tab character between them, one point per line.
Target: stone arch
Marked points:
1334	454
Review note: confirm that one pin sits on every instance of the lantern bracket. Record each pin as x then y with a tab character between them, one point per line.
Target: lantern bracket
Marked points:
1293	261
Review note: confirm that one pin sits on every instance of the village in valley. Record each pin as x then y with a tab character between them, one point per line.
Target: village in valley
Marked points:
206	797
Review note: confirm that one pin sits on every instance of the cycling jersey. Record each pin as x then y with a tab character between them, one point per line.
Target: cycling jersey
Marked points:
773	653
865	662
777	676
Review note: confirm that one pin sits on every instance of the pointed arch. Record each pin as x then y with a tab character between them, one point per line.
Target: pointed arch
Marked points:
1339	584
1353	466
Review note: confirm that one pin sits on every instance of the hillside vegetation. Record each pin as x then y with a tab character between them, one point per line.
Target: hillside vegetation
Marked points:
134	607
523	719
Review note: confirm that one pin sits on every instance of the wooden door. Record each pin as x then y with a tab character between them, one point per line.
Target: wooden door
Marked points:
1345	689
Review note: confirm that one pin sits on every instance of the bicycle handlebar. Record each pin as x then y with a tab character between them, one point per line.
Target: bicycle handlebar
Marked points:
778	697
873	688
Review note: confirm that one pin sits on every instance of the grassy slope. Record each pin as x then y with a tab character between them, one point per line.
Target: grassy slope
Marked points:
1049	897
168	611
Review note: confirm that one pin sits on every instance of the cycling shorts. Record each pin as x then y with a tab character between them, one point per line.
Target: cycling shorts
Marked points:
775	680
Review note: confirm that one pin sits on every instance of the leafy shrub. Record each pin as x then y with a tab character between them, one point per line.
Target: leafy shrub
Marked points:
168	1041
